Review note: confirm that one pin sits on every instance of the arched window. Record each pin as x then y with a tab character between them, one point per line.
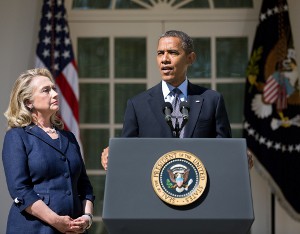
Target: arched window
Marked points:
115	45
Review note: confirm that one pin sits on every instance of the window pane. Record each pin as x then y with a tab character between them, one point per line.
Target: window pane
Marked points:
201	68
118	132
193	4
94	103
130	58
234	100
123	93
93	141
98	183
127	4
237	133
232	57
93	57
233	3
91	4
203	84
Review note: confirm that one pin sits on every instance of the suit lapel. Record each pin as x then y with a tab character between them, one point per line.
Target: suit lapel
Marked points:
43	136
156	102
64	141
195	101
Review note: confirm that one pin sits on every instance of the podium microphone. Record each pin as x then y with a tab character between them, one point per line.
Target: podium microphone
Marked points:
184	109
167	110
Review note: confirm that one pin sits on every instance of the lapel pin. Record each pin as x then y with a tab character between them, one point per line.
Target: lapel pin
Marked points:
197	100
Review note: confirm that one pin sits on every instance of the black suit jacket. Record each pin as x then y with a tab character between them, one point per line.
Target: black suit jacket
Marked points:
207	117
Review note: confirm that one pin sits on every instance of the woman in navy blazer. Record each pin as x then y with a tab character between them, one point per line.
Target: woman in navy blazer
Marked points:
44	170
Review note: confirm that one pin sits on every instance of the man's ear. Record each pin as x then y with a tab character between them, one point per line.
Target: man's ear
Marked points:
191	58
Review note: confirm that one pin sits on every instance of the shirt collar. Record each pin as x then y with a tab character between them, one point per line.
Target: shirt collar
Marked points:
167	88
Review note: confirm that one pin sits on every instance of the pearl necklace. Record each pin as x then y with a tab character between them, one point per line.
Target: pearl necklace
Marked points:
49	131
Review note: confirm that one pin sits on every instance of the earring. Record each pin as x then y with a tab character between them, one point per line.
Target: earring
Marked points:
30	108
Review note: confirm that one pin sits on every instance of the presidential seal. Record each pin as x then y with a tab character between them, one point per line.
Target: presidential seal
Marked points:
179	178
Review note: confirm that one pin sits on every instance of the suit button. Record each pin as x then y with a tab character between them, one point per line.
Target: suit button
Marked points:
66	175
18	200
63	158
68	193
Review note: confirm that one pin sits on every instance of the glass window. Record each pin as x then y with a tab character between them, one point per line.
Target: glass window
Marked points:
98	183
118	132
201	68
233	104
93	141
105	4
123	93
193	4
237	133
140	4
130	58
93	57
129	4
94	103
91	4
205	85
232	57
233	3
113	68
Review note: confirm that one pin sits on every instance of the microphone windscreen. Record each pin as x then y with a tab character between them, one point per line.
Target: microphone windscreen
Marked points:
167	106
184	105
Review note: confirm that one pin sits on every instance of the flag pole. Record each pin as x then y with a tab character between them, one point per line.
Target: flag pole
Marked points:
272	213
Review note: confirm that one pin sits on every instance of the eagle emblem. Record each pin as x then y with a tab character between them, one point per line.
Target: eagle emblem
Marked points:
179	176
280	89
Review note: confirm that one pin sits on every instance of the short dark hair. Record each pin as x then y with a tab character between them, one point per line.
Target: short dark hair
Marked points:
187	41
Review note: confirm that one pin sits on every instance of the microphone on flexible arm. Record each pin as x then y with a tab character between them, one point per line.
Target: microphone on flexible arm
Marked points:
184	109
167	110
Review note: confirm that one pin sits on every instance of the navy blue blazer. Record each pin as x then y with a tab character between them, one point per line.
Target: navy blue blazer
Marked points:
207	117
38	167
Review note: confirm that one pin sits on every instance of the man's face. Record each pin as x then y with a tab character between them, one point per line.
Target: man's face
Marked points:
172	60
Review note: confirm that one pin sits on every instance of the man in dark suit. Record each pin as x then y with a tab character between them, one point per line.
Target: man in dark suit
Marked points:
144	116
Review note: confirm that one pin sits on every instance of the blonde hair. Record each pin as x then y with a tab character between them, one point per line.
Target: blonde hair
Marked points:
17	113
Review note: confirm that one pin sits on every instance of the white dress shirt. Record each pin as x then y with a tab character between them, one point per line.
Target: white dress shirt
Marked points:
167	91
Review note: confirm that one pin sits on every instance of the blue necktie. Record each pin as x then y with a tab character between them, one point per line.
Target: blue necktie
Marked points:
176	109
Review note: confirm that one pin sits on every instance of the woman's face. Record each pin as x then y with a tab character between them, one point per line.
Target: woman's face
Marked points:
44	97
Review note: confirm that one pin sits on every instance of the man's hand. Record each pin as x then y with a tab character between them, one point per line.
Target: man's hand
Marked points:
104	158
250	158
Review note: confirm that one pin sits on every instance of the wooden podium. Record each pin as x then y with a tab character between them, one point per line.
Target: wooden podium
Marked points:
132	206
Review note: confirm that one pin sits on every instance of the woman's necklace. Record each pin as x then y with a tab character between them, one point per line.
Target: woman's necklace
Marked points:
49	131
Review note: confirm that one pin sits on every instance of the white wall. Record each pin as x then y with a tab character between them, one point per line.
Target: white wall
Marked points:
18	36
19	22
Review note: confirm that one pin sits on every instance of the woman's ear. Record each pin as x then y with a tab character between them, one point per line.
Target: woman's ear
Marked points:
29	105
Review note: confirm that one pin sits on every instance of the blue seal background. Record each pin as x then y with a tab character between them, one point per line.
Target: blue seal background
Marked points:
164	176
